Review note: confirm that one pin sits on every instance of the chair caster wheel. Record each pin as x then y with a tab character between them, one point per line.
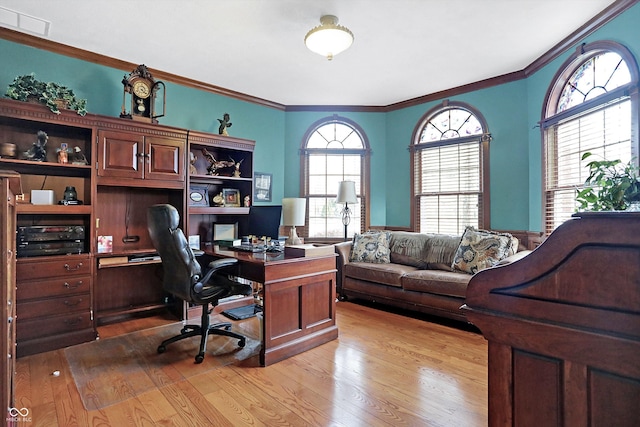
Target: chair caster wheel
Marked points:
161	349
199	358
241	343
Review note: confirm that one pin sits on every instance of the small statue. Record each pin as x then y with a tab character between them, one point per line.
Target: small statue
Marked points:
214	165
192	164
224	124
38	151
63	153
247	201
77	157
236	173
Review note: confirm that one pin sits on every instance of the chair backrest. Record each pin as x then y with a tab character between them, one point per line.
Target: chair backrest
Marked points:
181	269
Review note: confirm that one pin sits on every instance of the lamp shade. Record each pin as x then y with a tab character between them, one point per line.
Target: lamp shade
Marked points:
293	211
328	39
347	192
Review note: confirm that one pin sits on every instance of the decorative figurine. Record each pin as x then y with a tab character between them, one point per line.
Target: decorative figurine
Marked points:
214	165
236	173
77	157
224	124
192	164
63	153
247	201
38	151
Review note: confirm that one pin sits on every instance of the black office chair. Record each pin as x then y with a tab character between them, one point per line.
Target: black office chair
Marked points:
183	277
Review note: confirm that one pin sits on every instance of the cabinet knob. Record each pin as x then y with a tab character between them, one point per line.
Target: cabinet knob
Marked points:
10	319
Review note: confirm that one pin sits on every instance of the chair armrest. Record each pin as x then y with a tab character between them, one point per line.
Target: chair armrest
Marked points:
343	249
214	266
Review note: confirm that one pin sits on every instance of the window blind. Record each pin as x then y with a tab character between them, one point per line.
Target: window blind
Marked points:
448	187
604	131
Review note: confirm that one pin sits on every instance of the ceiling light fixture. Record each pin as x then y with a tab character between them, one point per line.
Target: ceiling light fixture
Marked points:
328	39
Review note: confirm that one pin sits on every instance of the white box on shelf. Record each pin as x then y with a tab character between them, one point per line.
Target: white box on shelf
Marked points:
42	197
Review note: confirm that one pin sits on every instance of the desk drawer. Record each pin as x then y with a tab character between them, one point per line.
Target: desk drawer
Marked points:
28	329
59	286
63	266
53	306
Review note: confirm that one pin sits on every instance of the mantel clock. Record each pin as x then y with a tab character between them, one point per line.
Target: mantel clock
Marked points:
147	96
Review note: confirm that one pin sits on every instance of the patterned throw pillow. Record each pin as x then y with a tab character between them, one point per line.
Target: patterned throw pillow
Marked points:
480	249
371	247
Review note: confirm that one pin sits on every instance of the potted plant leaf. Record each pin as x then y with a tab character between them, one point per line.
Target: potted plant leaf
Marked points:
53	95
611	185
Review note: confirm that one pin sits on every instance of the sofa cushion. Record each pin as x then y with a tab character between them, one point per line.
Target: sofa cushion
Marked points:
409	248
441	250
448	283
480	249
371	247
388	274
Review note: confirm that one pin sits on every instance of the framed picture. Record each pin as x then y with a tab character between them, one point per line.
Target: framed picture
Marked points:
225	231
262	187
198	195
231	197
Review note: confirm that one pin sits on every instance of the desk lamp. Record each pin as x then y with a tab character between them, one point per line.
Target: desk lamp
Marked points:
346	195
293	213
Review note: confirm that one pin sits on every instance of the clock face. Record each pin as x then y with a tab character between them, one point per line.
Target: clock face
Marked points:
141	89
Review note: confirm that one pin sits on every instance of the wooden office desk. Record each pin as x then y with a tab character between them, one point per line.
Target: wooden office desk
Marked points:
299	300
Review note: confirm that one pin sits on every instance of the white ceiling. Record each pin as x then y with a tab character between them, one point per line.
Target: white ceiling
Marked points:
403	49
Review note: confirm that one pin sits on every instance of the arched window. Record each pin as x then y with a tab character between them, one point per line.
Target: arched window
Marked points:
450	161
334	149
588	108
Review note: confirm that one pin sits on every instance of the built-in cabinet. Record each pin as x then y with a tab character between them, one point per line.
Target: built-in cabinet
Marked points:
9	187
140	156
50	315
62	297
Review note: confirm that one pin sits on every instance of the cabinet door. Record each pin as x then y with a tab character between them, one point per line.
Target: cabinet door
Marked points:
164	159
120	154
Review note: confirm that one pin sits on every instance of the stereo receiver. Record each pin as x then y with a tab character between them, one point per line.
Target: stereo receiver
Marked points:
50	240
47	233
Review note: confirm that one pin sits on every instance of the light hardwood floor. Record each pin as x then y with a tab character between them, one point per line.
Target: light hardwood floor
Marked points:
385	369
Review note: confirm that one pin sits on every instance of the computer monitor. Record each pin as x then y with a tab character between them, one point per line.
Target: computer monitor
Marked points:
265	221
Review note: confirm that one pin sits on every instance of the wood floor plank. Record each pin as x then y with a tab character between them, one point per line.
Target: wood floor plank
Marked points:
385	369
192	405
255	399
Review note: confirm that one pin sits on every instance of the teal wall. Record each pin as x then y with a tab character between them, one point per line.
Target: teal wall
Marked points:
512	111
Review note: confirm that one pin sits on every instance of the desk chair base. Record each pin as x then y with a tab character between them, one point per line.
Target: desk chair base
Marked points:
203	330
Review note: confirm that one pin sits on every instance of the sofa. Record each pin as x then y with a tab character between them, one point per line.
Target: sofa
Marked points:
427	273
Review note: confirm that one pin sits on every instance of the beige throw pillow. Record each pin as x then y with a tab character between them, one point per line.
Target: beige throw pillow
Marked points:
371	247
480	249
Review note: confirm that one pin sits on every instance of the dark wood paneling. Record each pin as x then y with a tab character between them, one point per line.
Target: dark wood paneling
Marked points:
563	325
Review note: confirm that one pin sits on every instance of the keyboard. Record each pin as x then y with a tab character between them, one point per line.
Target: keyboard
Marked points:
248	248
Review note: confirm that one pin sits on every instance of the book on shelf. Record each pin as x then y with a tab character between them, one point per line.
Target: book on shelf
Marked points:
309	250
113	260
228	242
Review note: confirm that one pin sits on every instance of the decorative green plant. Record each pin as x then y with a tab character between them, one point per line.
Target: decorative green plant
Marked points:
611	185
53	95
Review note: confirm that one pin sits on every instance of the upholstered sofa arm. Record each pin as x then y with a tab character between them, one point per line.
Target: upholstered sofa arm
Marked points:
343	249
515	257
